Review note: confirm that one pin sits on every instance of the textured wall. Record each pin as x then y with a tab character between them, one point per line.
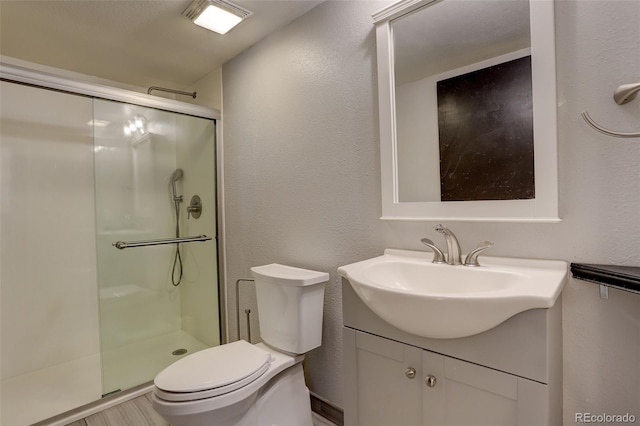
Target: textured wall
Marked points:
302	180
301	159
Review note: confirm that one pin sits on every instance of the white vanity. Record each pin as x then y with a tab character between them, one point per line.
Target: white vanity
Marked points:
510	374
468	132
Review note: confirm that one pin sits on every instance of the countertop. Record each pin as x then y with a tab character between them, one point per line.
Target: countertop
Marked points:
622	277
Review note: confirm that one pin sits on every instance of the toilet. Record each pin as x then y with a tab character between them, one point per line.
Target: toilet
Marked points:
244	384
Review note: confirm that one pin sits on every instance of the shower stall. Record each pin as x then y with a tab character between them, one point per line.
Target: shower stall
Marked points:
109	265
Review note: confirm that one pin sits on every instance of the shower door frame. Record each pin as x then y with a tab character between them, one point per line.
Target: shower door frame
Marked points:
30	77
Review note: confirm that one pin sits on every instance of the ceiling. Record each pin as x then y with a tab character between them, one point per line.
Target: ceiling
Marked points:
138	42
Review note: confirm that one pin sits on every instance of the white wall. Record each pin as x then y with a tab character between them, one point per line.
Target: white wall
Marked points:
417	138
301	159
302	180
208	90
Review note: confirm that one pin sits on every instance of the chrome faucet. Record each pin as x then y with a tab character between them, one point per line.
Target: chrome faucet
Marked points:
453	246
453	256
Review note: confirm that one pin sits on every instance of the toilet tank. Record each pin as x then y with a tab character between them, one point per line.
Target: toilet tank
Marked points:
290	305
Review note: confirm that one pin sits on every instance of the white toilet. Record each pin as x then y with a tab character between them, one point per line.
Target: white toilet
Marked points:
243	384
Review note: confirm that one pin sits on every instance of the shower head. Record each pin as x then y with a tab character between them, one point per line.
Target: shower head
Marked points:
175	177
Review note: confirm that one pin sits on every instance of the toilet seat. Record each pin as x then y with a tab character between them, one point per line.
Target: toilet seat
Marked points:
212	372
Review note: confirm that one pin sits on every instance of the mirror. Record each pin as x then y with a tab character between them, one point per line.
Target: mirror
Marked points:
468	110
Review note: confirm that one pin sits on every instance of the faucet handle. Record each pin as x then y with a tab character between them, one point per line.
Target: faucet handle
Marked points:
438	256
472	257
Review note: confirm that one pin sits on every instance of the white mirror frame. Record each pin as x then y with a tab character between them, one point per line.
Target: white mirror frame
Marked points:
544	208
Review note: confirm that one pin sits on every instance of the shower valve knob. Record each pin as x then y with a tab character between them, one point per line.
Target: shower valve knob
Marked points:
195	207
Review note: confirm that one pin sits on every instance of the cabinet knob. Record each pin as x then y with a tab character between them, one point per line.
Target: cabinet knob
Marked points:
430	381
410	372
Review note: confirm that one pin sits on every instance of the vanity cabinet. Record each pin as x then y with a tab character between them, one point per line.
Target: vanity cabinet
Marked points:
399	384
510	375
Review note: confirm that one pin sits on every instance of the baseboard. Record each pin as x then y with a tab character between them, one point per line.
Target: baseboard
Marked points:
327	410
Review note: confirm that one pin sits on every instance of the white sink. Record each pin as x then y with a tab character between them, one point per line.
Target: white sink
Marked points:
443	301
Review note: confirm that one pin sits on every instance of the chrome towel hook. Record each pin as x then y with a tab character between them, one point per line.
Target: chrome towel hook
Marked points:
626	93
622	95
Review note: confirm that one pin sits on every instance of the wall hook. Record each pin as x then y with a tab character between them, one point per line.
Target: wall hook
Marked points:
626	93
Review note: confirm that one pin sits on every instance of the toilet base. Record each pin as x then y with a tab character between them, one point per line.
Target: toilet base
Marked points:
283	401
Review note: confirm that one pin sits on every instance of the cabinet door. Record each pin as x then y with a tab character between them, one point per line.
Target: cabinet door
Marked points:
461	393
381	386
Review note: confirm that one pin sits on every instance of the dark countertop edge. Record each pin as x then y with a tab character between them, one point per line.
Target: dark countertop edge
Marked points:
622	277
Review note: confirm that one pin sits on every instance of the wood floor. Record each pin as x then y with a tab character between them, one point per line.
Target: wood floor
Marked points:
139	412
136	412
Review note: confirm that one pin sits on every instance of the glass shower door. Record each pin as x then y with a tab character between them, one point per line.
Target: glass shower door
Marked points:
157	302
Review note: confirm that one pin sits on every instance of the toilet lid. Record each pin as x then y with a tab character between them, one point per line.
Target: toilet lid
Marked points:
215	367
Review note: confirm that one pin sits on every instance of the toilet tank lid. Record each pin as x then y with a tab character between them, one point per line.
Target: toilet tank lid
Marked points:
289	275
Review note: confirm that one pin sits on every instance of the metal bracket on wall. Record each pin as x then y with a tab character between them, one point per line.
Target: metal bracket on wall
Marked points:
246	311
604	292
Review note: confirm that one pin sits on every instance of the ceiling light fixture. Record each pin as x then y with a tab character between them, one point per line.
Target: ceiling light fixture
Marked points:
216	15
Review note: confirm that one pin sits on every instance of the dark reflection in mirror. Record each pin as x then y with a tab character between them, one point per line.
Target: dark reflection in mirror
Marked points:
485	125
442	41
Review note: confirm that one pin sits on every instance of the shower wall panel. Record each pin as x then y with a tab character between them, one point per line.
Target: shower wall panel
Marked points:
50	309
147	322
137	300
195	152
78	317
49	305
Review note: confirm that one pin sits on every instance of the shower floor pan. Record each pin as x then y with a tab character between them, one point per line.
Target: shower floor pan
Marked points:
38	395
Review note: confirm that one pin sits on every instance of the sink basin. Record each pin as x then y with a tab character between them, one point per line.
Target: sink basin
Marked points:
443	301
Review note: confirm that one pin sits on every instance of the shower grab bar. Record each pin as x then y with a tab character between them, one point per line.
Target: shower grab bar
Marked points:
128	244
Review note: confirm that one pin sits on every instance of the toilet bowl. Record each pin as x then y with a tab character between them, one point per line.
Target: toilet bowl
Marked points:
243	384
